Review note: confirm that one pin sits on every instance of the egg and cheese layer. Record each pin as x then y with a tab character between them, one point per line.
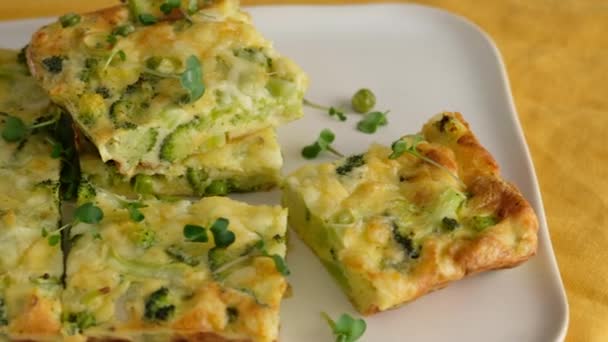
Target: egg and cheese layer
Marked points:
144	280
30	268
250	163
391	230
128	84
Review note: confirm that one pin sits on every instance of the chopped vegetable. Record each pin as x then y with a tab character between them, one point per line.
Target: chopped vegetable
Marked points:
88	213
480	223
77	322
449	223
69	19
363	101
326	137
346	329
169	5
371	121
350	163
158	307
147	19
53	64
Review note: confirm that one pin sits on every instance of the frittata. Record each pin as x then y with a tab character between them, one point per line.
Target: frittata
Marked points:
249	163
392	224
211	270
30	267
151	89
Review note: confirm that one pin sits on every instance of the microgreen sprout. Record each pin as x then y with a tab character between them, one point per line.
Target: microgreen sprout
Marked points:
121	54
169	5
259	249
16	130
323	143
222	236
195	233
191	79
85	213
371	121
332	111
346	328
408	144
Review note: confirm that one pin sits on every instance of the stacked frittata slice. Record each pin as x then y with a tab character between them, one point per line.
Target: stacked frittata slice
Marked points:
158	87
31	259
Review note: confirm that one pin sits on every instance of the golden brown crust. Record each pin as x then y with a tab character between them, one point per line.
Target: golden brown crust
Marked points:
36	319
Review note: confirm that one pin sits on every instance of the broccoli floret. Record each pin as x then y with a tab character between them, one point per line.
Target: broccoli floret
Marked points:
158	307
3	313
197	180
90	66
350	163
220	187
132	105
77	322
86	191
178	144
449	224
144	237
53	64
103	91
178	254
406	243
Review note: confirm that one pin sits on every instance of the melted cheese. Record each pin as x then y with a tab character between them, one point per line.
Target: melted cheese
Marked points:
30	269
390	230
118	104
114	266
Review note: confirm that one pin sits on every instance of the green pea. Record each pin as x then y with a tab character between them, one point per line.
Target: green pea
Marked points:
363	101
143	184
69	19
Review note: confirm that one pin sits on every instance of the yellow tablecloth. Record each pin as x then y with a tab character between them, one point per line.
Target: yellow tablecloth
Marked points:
556	53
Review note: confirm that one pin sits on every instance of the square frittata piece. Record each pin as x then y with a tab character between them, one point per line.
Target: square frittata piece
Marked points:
30	266
211	270
150	89
250	163
393	224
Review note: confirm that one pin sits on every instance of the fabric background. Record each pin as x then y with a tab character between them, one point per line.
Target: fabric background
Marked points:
556	52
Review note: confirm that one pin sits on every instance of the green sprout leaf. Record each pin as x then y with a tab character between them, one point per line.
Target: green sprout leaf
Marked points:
347	328
147	19
14	129
221	235
371	121
323	143
54	239
332	111
134	213
192	79
88	213
69	19
194	233
169	5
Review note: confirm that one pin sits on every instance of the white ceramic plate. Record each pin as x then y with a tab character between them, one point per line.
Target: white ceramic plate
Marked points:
419	61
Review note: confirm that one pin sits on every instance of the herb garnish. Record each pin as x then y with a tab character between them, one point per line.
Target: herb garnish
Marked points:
69	19
86	213
259	249
323	143
346	328
169	5
332	111
371	121
191	79
222	236
195	233
147	19
16	130
408	144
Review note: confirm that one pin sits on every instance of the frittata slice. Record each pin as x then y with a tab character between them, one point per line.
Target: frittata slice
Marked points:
249	163
393	224
150	92
30	267
211	270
